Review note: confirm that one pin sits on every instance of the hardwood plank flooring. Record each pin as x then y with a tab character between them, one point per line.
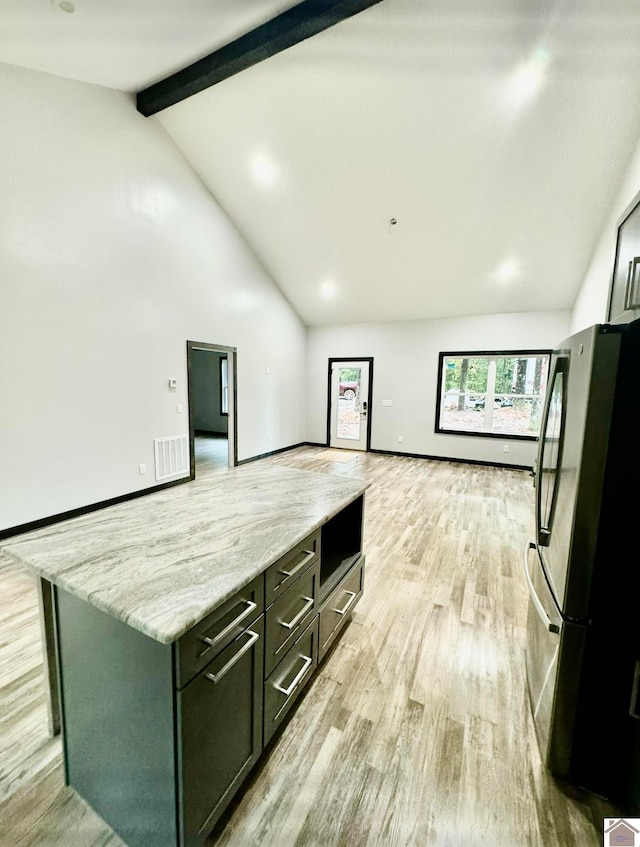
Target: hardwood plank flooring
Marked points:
416	730
211	451
25	746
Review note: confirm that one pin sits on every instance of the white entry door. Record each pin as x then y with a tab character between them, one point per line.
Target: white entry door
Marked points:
349	405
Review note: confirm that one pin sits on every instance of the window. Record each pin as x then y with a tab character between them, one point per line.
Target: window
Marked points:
224	386
494	394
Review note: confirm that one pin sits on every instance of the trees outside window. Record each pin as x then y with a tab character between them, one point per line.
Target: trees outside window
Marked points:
497	394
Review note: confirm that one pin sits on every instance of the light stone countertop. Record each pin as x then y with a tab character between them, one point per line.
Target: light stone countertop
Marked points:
162	562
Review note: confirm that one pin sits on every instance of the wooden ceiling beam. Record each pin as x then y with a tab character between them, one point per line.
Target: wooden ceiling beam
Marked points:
291	27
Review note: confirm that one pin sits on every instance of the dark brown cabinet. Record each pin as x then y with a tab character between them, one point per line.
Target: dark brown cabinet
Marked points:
624	294
206	639
286	570
220	723
338	606
292	588
159	760
286	682
158	738
289	615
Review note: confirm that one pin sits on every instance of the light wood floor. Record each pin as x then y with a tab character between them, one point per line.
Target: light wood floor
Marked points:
415	731
211	452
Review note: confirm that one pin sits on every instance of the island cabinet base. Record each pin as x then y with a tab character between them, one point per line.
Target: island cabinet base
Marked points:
159	764
118	722
219	720
158	738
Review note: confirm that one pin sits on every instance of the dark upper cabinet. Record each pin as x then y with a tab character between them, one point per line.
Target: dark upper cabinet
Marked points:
624	293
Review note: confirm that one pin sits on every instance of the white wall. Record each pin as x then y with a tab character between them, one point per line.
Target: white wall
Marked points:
406	372
112	255
592	301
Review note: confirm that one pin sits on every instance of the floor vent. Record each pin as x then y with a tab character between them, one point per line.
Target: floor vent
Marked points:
172	456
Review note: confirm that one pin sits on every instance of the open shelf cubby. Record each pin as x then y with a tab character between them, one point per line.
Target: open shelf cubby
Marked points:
341	545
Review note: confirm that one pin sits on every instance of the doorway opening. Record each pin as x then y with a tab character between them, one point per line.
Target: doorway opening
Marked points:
213	430
350	390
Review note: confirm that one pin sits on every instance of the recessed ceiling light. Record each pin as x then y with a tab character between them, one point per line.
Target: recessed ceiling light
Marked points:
328	289
264	170
508	271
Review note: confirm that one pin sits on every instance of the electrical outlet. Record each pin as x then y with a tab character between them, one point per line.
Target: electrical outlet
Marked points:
400	439
179	408
142	469
505	448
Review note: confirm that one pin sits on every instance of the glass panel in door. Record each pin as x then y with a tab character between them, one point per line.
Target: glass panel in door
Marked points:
349	381
348	403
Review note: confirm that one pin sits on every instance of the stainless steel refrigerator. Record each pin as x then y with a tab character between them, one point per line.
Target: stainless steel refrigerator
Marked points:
583	567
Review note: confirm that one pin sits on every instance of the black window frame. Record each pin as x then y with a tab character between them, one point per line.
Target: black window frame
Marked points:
468	354
224	363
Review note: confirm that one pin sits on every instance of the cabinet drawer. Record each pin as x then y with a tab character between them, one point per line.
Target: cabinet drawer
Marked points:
285	684
206	639
337	608
289	615
220	726
286	570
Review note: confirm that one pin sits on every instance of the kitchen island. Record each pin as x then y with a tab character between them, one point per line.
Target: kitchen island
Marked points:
187	624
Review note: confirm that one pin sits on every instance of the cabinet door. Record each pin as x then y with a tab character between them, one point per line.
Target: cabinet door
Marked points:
220	726
624	302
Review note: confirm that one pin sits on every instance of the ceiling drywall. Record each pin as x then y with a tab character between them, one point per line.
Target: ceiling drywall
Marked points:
494	133
125	44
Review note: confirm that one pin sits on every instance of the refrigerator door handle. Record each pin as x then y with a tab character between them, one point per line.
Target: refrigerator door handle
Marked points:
634	705
543	522
544	617
627	286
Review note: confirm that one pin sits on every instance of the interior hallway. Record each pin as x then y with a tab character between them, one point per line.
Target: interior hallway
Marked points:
212	453
415	731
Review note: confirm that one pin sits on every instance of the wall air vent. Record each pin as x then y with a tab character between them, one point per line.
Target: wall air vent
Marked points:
172	456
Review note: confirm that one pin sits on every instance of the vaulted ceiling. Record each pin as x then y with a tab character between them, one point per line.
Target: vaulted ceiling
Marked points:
421	159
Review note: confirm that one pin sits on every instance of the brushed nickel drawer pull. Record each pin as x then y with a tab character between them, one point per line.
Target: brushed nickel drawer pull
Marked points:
303	611
211	642
352	597
294	682
309	554
216	677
